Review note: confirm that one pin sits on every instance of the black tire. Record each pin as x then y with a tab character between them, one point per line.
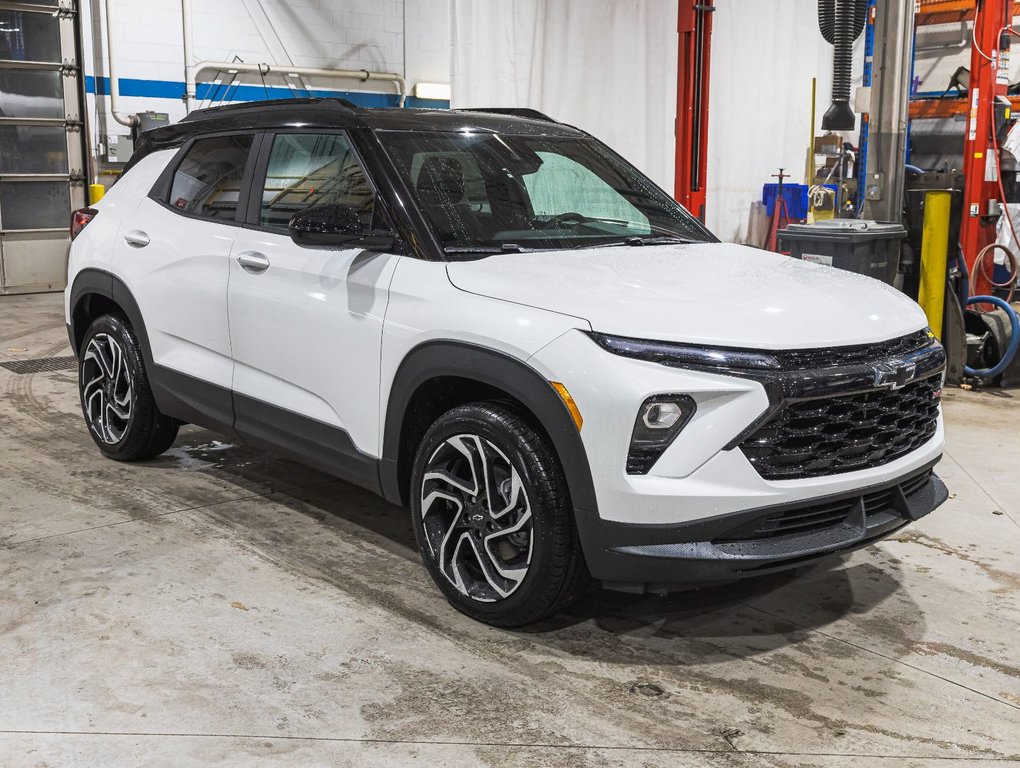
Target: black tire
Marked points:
536	518
116	399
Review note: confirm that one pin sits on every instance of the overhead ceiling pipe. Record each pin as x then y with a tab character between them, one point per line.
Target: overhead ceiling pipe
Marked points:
841	22
265	69
111	72
189	48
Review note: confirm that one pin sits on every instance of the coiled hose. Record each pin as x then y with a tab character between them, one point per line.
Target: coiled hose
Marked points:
966	300
980	267
1011	348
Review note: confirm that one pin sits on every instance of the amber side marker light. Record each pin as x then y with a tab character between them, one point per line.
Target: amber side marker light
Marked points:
568	401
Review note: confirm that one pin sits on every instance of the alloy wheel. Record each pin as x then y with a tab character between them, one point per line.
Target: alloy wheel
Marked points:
106	388
477	518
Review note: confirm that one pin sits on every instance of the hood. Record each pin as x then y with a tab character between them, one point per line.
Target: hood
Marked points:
706	293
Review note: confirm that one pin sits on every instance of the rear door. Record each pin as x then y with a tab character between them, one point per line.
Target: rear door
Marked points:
306	323
174	252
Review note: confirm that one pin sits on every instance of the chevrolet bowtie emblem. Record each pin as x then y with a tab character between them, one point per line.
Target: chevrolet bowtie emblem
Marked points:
894	374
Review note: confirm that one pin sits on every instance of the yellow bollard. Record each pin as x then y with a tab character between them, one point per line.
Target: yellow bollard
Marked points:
96	192
934	255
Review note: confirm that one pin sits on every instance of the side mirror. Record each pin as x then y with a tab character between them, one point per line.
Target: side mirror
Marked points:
334	226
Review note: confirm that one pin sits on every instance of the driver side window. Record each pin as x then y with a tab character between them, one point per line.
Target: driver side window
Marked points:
307	169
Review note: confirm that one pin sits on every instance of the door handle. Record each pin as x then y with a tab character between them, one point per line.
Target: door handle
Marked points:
253	262
136	238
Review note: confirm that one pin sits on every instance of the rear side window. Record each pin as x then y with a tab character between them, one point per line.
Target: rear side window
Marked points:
307	169
207	182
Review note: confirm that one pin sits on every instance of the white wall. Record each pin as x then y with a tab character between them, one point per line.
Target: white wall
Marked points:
409	37
427	38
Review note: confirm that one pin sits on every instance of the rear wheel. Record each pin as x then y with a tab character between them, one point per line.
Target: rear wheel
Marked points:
116	400
493	517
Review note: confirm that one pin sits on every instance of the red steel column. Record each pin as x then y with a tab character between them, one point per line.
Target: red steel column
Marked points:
980	174
694	28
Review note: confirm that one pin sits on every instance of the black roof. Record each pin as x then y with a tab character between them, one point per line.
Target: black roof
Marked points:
340	113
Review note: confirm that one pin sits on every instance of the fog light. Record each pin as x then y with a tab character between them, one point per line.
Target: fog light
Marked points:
661	415
660	419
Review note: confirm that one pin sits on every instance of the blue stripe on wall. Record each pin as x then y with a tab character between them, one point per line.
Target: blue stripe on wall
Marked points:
171	89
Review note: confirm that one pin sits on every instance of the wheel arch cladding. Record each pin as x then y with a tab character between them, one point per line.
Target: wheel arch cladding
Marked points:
95	292
176	394
445	374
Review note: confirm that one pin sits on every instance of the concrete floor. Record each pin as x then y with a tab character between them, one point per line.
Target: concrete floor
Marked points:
219	606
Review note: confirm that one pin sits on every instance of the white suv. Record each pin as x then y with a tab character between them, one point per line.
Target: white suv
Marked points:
494	319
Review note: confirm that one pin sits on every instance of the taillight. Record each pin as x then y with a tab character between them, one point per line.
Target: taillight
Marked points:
80	218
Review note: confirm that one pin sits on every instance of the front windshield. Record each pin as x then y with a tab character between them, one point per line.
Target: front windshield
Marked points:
484	192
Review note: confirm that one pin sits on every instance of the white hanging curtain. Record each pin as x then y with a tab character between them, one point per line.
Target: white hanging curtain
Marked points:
606	66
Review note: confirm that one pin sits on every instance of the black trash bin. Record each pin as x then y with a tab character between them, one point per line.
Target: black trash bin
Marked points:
869	248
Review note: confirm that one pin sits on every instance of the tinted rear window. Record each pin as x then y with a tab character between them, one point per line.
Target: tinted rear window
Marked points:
207	182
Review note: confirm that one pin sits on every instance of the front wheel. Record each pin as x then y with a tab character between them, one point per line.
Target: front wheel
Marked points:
116	400
493	517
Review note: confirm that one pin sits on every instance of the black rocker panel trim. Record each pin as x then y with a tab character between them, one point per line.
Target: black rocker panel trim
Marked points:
192	400
312	442
468	361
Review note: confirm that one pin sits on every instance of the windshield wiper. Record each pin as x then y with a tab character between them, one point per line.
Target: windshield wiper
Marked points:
504	248
659	240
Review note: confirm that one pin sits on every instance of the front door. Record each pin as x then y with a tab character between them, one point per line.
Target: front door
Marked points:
306	323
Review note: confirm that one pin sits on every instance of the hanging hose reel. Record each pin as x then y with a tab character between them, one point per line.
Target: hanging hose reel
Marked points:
841	22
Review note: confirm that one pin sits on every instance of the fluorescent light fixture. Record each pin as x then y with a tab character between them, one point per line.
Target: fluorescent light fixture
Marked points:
438	91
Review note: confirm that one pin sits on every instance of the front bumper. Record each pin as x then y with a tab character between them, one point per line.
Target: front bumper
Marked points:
725	548
675	524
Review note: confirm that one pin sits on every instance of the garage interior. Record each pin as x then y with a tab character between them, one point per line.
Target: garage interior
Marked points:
221	605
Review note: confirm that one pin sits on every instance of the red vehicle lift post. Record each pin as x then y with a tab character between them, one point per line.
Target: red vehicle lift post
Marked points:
694	27
979	168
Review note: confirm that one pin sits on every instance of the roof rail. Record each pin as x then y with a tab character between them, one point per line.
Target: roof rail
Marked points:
259	106
533	114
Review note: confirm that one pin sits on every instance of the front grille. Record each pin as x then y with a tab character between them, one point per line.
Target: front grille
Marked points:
41	365
819	517
810	359
828	436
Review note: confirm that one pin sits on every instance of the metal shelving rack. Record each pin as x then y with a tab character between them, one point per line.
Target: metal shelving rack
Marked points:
988	81
947	12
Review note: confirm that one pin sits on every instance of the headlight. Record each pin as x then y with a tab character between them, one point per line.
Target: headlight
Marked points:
660	419
687	355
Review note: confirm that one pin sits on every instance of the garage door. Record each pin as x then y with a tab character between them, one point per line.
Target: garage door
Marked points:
41	147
